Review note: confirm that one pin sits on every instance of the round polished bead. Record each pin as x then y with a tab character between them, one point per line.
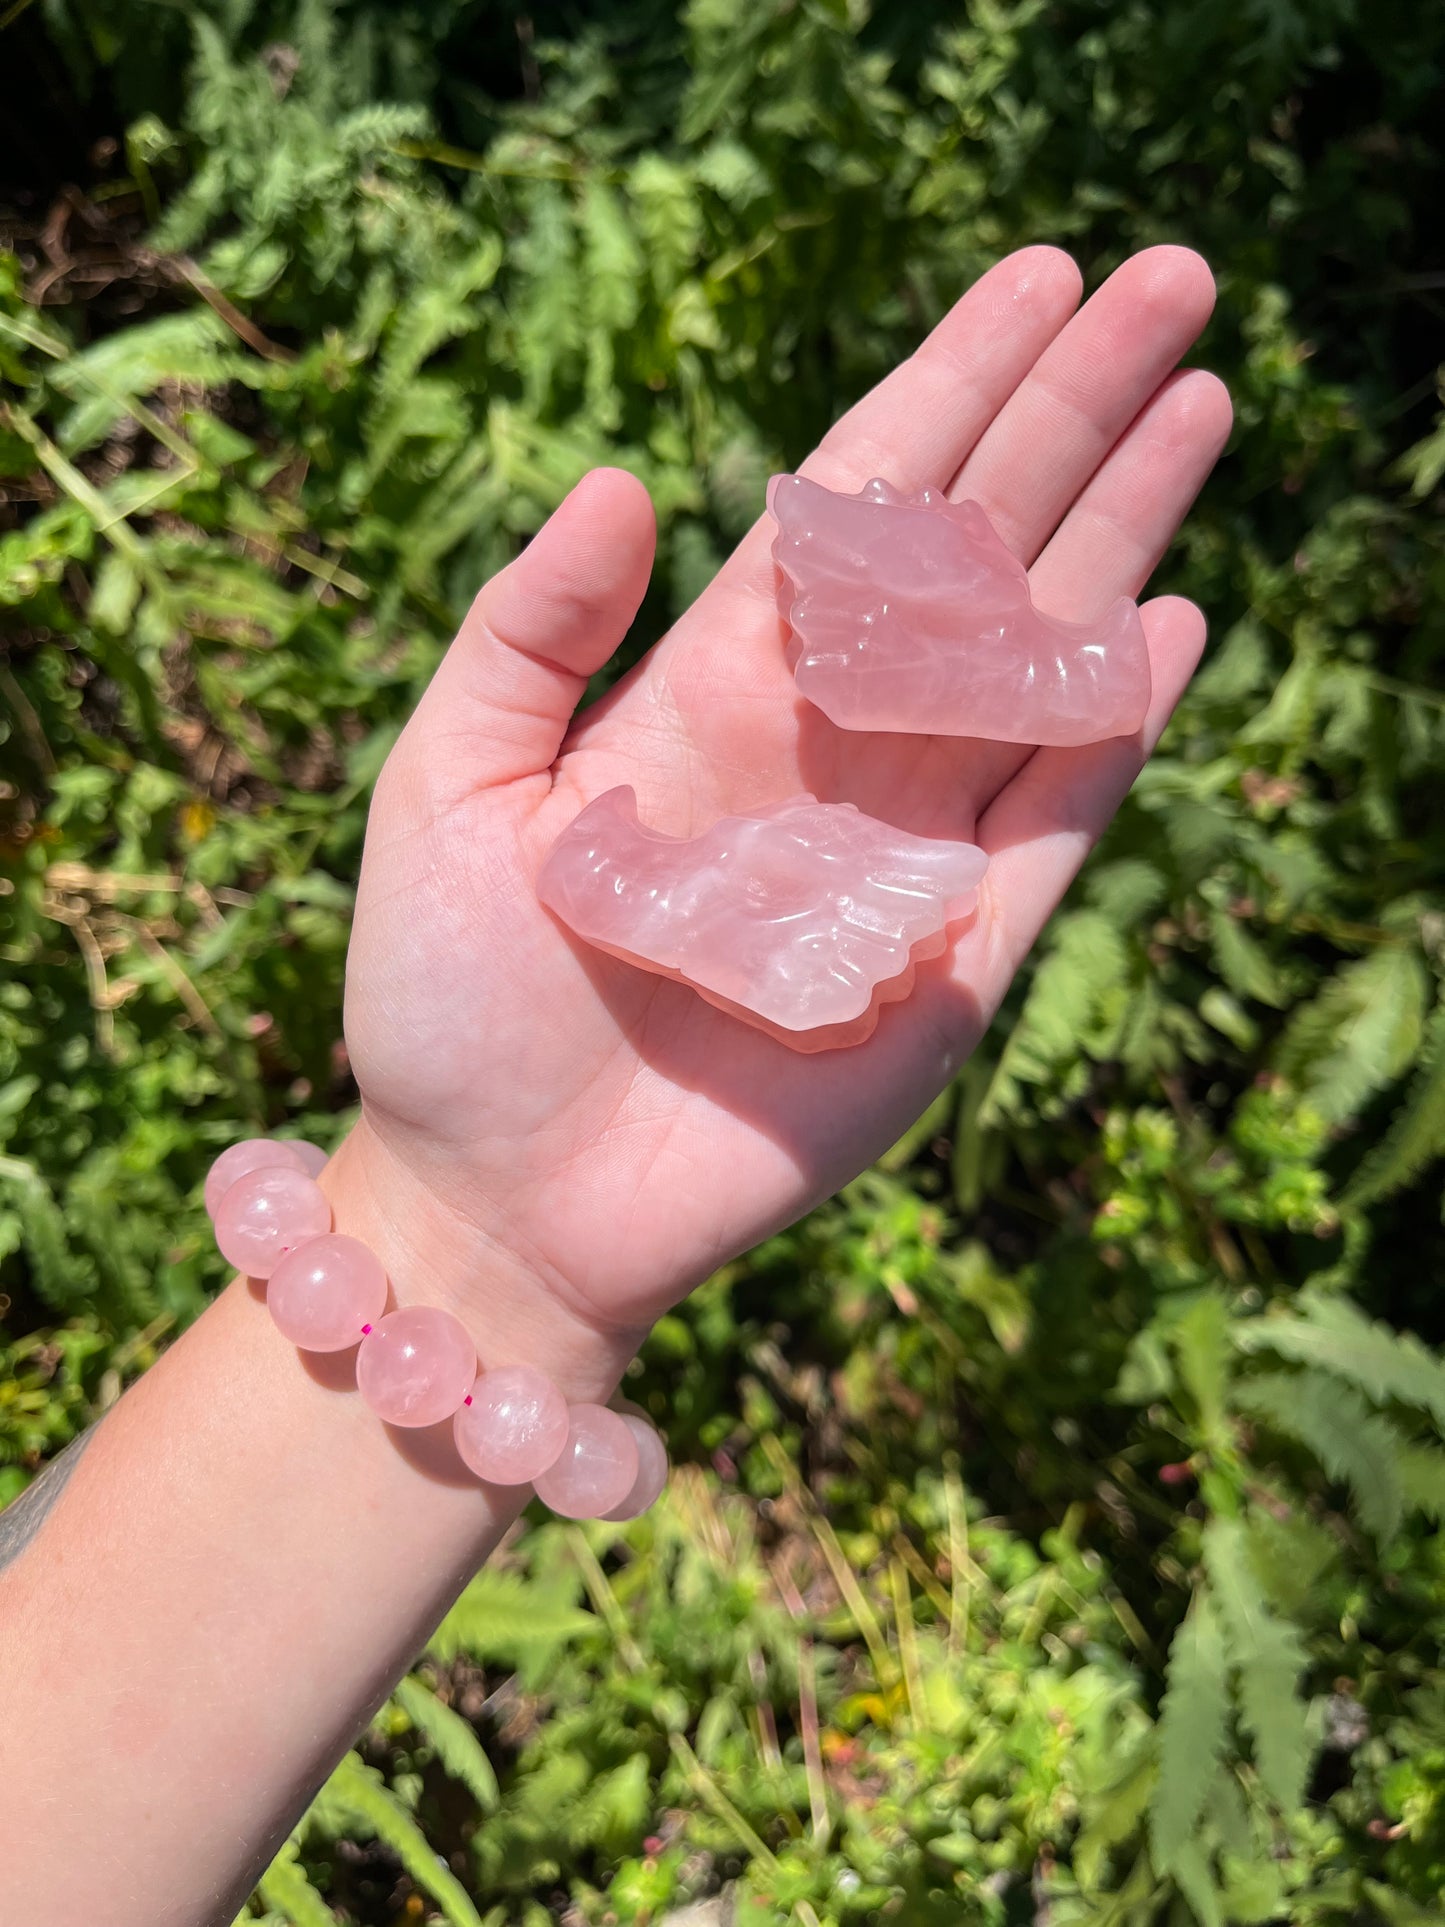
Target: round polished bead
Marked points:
313	1159
267	1213
237	1159
416	1365
651	1468
324	1292
514	1425
598	1466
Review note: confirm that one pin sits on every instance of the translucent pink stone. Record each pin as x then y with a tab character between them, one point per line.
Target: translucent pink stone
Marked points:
313	1159
321	1294
802	919
515	1426
910	613
237	1159
651	1468
267	1213
598	1466
416	1365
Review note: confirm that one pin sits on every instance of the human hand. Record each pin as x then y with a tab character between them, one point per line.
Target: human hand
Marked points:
575	1133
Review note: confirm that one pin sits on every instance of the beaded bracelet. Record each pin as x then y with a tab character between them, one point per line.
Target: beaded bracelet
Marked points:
328	1292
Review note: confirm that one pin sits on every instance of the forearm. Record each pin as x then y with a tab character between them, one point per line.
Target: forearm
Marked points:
239	1566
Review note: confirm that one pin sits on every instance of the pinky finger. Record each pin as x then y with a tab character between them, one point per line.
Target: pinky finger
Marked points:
1042	824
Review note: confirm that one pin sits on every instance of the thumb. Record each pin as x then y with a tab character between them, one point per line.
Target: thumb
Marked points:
499	705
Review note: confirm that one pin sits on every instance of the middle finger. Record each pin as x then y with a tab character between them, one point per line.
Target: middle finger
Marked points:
1087	386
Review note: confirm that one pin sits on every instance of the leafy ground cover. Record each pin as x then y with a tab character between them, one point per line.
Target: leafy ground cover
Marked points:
1056	1531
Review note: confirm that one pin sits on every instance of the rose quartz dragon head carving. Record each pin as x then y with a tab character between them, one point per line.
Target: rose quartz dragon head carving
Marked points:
909	613
802	919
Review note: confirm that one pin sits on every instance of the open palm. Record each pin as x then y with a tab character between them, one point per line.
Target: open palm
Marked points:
607	1129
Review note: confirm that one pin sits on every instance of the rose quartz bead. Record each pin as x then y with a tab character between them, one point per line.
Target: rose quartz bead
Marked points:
313	1159
651	1468
598	1466
237	1159
321	1294
514	1426
416	1365
268	1213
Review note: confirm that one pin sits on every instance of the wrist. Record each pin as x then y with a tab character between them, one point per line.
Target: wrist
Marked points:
435	1254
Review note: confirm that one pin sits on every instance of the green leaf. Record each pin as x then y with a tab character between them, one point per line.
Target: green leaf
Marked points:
1201	1344
1191	1871
1359	1034
1193	1723
1352	1442
453	1740
1229	1018
1269	1657
15	1094
1398	1909
64	1279
1422	1479
285	1888
1113	1819
358	1792
501	1616
1128	890
1243	962
1334	1334
115	593
1087	960
1416	1136
1001	1299
1254	1891
1291	1553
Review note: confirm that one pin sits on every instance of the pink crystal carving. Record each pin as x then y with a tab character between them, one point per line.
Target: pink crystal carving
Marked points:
322	1294
514	1426
909	613
598	1467
802	919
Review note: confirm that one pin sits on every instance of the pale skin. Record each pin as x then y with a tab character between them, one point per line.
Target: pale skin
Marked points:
198	1616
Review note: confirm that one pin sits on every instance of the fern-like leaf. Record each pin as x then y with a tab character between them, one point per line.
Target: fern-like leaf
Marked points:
1352	1442
63	1278
1422	1475
1201	1342
1127	890
1192	1726
453	1741
1291	1553
360	1793
1195	1880
127	1287
1243	962
1336	1336
1359	1034
1269	1657
501	1616
1088	960
286	1890
1417	1132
